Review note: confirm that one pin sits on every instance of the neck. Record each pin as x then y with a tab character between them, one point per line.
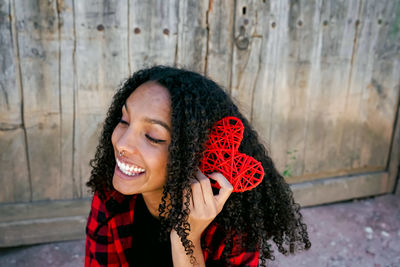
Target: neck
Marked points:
152	201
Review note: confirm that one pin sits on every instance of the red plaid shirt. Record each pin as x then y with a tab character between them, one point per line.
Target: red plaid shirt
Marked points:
107	246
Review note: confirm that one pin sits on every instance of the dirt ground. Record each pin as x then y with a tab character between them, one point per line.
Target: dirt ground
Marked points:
357	233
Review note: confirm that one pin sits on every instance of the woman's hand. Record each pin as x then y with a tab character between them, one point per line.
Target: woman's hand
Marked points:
204	207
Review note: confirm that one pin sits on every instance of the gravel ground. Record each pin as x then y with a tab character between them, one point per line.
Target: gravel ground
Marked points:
357	233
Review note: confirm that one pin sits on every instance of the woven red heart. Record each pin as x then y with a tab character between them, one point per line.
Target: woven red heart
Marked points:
222	155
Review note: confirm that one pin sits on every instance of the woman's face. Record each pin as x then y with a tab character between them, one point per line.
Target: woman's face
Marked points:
142	137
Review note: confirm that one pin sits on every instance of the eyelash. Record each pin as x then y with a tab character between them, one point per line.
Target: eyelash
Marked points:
123	122
151	139
156	141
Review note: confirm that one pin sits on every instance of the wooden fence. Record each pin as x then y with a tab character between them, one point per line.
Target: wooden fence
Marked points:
318	79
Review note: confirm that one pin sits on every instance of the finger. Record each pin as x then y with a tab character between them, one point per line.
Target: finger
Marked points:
225	191
197	193
205	187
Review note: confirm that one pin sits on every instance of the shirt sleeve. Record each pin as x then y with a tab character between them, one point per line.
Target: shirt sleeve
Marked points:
214	251
100	249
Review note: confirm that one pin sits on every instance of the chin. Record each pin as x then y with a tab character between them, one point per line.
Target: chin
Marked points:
123	189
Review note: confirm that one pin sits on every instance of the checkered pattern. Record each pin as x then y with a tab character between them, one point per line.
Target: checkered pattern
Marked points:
108	239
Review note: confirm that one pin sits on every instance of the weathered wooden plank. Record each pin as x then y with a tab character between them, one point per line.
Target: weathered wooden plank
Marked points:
14	182
69	186
373	89
101	64
339	188
378	76
153	31
37	33
192	34
367	137
220	41
271	76
305	102
43	221
246	52
15	212
335	32
14	177
42	230
283	90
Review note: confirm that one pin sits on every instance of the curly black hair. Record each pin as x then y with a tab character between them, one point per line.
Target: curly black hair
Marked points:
267	212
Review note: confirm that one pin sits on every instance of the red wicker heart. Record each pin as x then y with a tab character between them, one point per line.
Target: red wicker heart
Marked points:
222	155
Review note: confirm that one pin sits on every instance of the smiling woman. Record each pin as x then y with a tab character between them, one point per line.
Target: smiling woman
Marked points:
141	141
152	206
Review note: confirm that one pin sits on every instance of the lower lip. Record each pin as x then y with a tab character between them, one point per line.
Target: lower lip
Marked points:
119	173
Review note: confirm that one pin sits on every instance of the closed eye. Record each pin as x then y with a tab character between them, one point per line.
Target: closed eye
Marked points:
123	122
154	140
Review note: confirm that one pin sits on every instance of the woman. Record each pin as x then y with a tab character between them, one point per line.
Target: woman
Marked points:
152	206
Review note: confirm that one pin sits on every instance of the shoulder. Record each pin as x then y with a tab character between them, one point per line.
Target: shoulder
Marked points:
105	207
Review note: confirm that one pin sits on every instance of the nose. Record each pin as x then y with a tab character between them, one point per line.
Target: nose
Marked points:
127	142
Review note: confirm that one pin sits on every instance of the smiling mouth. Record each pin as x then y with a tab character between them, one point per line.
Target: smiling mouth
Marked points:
130	170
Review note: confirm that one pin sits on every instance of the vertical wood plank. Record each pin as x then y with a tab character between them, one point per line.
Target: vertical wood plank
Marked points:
220	40
335	33
101	65
37	33
272	77
282	92
70	188
377	76
246	52
14	182
304	102
192	34
153	30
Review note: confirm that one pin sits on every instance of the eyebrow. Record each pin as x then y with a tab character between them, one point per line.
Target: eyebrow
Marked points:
153	121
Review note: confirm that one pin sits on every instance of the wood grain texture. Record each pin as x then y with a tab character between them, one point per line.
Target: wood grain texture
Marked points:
318	80
374	85
312	101
326	119
70	187
339	189
153	31
42	231
192	34
14	182
37	34
220	16
246	54
14	212
101	64
283	90
271	78
43	221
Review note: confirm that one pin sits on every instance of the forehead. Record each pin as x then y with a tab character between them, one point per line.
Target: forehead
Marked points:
151	98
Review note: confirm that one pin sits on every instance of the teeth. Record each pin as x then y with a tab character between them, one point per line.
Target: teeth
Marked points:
129	170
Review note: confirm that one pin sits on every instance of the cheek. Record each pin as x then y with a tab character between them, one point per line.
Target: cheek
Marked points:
164	161
160	160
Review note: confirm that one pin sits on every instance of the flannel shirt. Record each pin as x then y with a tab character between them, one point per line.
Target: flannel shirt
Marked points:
108	239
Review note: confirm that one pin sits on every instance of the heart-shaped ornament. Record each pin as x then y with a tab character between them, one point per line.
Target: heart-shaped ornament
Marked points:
222	155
